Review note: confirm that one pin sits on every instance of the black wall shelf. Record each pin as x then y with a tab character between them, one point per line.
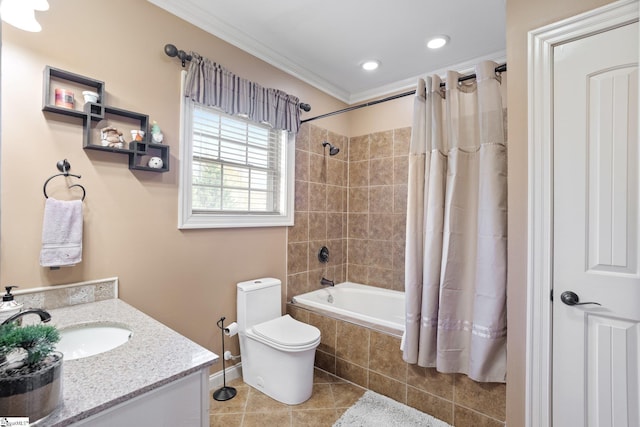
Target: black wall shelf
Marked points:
93	114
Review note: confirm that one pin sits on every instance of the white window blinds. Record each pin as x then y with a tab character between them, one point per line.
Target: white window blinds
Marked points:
239	169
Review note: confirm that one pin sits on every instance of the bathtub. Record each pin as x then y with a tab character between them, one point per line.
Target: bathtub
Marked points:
369	306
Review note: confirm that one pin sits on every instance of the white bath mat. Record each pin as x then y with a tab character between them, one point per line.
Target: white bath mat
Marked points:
376	410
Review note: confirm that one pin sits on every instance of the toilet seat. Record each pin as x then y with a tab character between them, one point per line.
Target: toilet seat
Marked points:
286	333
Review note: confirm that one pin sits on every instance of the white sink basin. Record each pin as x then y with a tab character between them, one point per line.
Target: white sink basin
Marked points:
87	340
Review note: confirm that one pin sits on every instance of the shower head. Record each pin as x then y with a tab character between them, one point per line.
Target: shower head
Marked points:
332	149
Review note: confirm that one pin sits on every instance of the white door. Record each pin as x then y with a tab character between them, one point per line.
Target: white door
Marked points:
596	227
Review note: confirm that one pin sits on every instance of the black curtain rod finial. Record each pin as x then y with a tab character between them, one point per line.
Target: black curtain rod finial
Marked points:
305	107
172	51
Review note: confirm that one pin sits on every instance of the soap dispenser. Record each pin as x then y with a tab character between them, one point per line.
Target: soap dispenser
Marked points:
9	306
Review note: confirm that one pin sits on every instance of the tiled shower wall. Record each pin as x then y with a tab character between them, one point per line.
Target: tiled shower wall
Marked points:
320	211
355	204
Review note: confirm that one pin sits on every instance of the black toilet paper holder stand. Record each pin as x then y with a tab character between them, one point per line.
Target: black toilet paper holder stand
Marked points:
224	392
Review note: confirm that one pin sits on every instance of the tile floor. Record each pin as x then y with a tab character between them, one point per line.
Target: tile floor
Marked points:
331	397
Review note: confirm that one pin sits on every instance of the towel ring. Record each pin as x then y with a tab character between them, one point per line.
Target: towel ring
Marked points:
64	166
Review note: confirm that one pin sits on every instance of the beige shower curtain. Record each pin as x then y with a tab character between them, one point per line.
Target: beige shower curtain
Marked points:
456	249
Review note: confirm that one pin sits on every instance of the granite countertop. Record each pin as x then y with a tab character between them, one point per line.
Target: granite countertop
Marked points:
155	355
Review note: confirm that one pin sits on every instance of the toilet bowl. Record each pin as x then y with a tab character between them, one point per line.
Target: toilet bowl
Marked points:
277	351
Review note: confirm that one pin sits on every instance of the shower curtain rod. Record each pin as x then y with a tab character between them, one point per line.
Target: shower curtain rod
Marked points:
498	69
172	51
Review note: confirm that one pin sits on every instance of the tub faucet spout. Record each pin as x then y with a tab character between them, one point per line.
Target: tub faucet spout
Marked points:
326	282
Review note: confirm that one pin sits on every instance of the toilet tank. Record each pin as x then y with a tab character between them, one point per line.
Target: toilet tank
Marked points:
258	301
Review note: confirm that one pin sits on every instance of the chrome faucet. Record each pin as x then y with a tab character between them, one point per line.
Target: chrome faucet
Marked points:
44	316
326	282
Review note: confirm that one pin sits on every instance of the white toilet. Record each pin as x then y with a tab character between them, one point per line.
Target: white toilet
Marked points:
277	351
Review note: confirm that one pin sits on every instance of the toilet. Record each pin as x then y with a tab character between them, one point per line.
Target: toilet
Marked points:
277	351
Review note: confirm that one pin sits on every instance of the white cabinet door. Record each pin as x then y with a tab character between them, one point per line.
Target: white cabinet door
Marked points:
596	228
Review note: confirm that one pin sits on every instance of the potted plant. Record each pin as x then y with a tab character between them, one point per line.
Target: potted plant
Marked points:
30	370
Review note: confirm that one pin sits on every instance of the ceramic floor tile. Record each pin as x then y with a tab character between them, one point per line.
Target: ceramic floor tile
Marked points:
313	418
226	420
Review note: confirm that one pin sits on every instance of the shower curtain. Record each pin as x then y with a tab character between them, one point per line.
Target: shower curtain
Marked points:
456	248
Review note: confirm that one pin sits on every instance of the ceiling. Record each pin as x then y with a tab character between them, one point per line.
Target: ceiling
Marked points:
324	42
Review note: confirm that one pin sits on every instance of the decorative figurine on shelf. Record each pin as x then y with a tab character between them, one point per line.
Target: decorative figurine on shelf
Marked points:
111	137
156	133
155	163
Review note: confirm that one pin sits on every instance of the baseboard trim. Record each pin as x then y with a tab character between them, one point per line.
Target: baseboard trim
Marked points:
232	373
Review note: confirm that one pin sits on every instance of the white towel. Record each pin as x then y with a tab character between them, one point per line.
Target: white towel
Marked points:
61	233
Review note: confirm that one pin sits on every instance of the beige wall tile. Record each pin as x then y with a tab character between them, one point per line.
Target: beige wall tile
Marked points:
297	260
433	405
400	169
352	372
334	228
400	199
381	199
301	196
297	284
380	277
467	418
302	165
358	148
317	168
358	174
328	327
358	199
317	137
379	254
302	137
385	356
381	226
352	343
300	314
317	197
357	273
317	226
335	202
401	141
381	171
430	380
335	171
299	232
388	386
381	144
358	226
487	398
326	362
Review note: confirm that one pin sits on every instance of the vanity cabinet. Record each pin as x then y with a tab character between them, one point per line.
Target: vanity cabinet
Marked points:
97	115
183	402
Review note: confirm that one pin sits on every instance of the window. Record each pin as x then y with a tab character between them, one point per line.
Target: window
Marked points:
234	172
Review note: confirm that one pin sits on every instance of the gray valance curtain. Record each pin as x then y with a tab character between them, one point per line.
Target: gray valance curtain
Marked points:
213	85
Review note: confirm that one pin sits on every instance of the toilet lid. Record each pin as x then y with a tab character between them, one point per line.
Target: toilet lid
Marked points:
287	331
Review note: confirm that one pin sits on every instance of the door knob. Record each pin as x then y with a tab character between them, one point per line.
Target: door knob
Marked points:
571	298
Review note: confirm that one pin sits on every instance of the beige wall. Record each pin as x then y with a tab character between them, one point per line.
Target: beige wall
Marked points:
185	279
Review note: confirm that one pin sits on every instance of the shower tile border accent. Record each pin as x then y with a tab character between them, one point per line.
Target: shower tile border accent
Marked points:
57	296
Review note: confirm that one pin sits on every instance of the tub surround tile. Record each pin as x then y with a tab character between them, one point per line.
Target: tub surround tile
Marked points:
359	148
317	226
335	170
358	225
302	165
465	417
317	137
301	196
327	328
298	258
385	357
303	136
401	141
352	344
358	199
299	232
352	372
381	199
318	168
388	386
381	171
380	277
430	404
359	174
487	398
431	381
297	284
381	144
334	199
326	362
317	197
400	169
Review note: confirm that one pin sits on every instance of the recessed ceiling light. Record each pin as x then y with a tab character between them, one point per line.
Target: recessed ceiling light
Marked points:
370	65
437	42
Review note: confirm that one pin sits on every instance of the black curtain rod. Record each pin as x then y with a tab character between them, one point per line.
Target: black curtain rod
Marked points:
172	51
498	69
